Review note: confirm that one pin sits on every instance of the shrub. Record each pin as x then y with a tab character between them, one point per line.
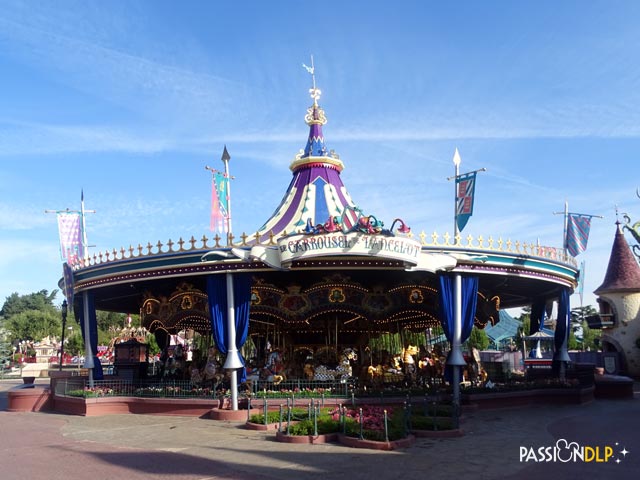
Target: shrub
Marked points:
420	422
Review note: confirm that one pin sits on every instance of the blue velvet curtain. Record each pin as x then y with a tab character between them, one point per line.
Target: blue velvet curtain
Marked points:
217	295
447	302
98	374
469	303
537	316
446	305
562	325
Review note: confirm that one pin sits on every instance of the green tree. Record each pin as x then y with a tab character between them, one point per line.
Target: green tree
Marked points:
16	303
525	318
110	321
74	345
5	353
34	324
478	339
590	338
31	317
153	345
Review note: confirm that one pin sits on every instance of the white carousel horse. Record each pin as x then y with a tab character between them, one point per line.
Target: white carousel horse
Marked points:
344	370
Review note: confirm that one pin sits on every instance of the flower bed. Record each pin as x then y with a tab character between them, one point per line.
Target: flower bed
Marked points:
313	393
373	427
150	391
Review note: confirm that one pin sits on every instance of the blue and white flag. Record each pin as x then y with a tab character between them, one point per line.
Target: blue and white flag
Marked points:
578	227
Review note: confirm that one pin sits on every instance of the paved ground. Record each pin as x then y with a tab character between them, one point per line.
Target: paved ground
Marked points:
52	446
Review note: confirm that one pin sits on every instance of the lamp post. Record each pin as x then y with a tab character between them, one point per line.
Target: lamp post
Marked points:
64	327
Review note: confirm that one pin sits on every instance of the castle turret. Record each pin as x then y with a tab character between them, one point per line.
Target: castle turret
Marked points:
619	300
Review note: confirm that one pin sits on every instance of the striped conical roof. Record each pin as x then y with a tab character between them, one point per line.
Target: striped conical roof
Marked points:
316	192
623	272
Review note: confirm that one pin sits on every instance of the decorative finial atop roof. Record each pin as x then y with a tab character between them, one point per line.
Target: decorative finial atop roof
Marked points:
315	150
313	91
316	195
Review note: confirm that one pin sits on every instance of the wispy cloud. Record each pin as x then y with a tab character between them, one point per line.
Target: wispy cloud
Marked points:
19	272
20	217
82	60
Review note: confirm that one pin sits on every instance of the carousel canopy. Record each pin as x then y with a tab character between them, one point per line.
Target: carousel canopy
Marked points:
316	192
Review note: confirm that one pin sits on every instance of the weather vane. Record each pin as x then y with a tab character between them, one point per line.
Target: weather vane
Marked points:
314	92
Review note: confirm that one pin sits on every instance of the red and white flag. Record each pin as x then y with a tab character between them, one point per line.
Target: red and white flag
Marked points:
349	219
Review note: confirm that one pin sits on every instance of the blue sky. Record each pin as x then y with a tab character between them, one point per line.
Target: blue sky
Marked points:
129	100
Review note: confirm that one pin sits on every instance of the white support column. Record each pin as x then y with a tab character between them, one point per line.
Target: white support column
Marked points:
456	360
88	354
233	361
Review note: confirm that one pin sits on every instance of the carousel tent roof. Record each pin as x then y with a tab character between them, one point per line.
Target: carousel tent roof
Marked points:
541	335
623	273
316	192
507	327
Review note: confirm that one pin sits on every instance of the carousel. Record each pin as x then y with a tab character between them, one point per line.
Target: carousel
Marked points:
309	295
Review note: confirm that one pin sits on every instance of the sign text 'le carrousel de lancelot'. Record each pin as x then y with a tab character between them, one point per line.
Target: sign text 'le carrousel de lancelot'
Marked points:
298	247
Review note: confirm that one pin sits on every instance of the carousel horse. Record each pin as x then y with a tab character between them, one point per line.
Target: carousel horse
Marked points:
372	375
433	370
253	372
308	371
274	368
344	370
179	359
409	363
211	373
323	373
475	373
196	375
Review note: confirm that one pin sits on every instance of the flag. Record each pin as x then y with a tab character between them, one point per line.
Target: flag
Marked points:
349	218
219	203
578	227
70	231
581	281
465	187
68	283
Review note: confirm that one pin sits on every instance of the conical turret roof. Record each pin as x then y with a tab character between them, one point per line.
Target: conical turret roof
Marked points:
623	272
316	192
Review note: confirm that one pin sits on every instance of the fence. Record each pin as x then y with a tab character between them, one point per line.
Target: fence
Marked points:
79	387
306	388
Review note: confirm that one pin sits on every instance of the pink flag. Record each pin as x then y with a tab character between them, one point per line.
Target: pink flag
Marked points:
218	216
70	231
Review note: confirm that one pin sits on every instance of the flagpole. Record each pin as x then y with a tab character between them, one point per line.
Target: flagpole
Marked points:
566	224
456	161
85	243
566	214
225	160
82	212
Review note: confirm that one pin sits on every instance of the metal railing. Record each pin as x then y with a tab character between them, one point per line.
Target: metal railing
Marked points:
303	388
79	387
